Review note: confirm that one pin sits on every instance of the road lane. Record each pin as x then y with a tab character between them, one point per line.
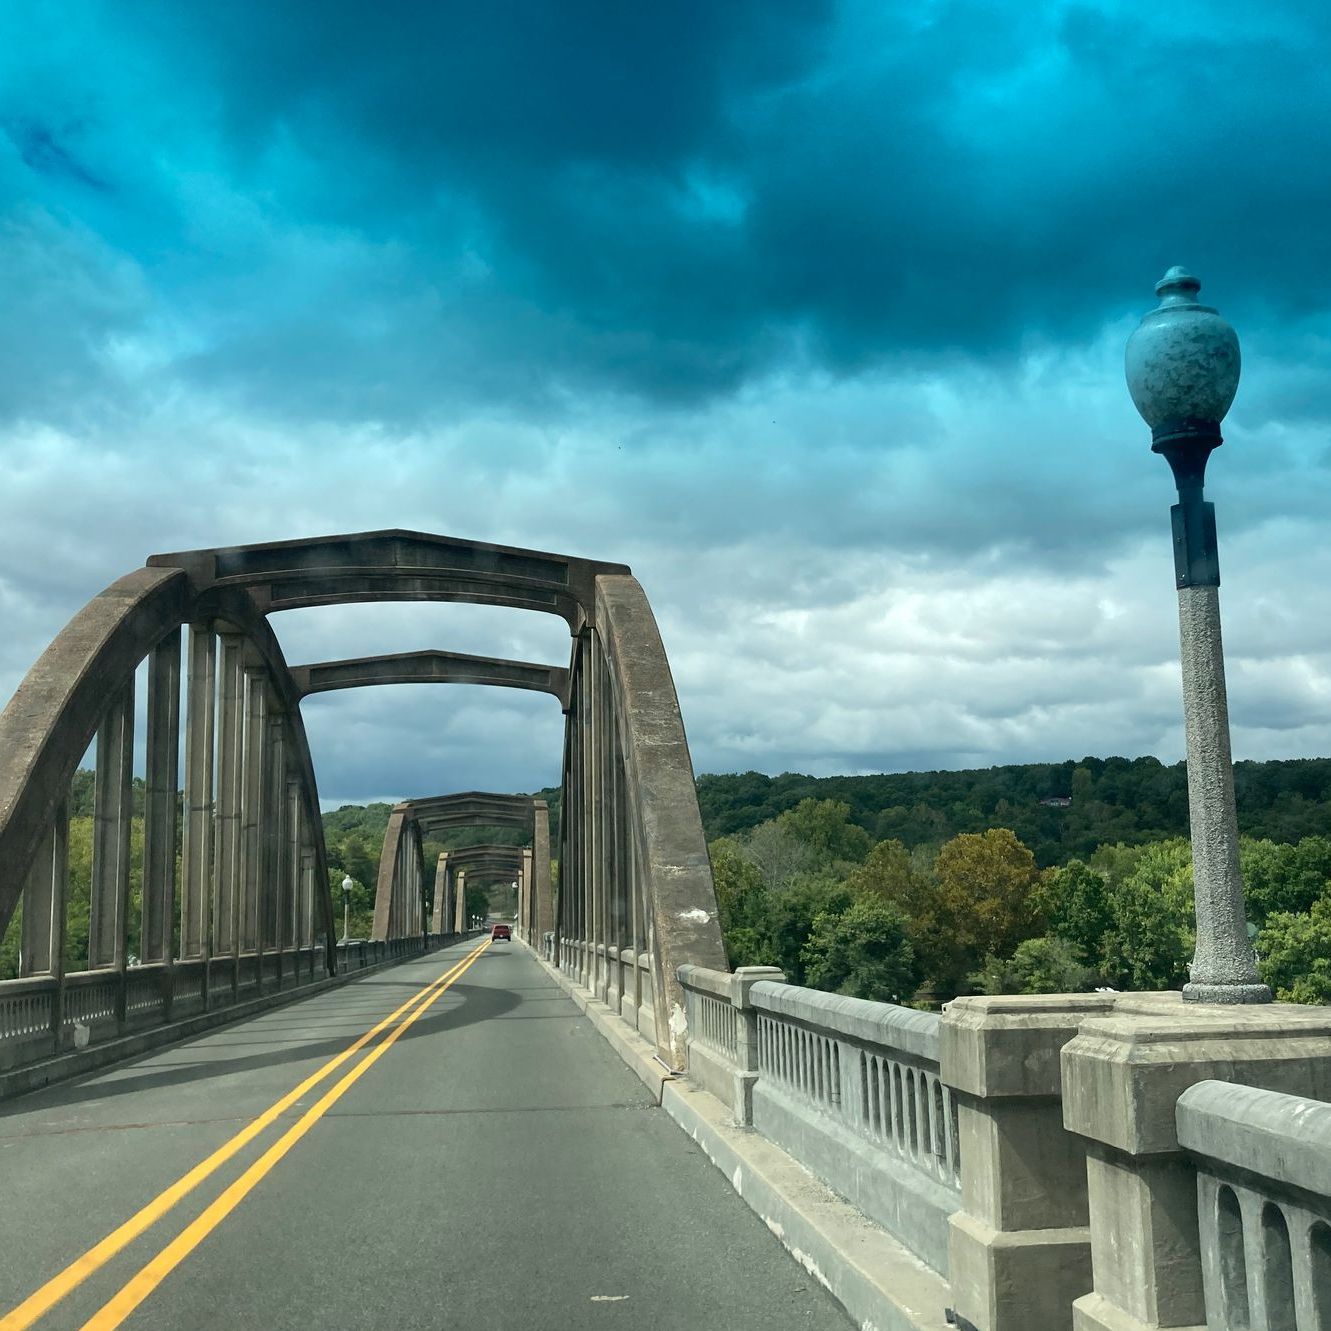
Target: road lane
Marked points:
497	1167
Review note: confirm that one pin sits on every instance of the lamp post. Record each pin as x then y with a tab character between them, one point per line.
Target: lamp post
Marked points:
347	885
1183	371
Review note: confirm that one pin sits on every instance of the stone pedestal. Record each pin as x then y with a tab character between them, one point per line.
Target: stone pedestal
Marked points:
1122	1077
1019	1249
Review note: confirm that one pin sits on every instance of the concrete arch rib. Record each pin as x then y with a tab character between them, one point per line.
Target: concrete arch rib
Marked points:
647	753
430	667
398	565
83	681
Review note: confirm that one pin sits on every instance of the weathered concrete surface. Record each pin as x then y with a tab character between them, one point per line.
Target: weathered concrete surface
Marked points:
663	797
1020	1247
499	1167
1224	966
1123	1076
430	667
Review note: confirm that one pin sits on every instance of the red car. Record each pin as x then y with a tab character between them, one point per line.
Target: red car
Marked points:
502	933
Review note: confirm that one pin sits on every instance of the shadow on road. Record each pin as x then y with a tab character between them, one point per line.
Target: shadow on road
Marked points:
479	1003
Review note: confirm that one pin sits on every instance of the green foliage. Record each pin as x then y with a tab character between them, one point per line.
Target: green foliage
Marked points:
891	874
1284	878
1150	940
743	906
478	901
983	903
1295	954
824	826
1075	903
1047	965
862	951
1131	800
792	915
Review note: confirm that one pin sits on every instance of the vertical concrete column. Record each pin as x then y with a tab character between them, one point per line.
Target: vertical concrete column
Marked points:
1019	1250
1122	1077
529	893
308	888
272	883
230	767
543	906
291	920
161	785
614	805
746	1044
386	885
460	902
588	837
197	834
439	919
111	822
42	941
252	792
1224	966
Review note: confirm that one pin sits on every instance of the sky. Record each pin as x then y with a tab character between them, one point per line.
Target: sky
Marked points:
812	313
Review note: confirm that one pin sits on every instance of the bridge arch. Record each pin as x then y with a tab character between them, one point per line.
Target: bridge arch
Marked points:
636	897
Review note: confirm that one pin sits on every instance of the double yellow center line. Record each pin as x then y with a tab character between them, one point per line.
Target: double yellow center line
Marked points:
114	1312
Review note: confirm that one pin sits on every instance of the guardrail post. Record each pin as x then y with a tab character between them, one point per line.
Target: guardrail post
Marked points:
746	1037
1122	1078
1019	1250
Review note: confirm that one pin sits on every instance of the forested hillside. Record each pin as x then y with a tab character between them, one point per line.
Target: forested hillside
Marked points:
1035	878
1132	800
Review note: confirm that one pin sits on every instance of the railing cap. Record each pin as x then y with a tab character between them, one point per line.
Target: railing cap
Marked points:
1285	1138
900	1029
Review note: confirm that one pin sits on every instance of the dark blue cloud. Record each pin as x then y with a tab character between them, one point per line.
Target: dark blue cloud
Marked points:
500	201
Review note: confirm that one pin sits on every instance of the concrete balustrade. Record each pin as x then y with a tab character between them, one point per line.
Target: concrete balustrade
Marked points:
1104	1162
1263	1162
850	1089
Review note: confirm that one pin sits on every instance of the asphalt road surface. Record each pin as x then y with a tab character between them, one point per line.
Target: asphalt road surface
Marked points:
483	1161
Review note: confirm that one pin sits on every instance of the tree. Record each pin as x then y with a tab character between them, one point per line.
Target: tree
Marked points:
1295	954
1074	901
983	904
743	905
892	874
1048	965
1284	878
862	952
778	855
792	915
1151	938
825	827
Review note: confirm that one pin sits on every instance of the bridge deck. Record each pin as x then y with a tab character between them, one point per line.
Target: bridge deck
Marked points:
496	1167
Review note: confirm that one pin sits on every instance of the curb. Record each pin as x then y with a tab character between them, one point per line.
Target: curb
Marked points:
880	1284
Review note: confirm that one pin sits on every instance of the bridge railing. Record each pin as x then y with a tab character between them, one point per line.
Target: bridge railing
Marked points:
44	1016
850	1089
1263	1205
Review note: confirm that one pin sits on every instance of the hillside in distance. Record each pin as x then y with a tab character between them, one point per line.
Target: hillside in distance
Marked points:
1060	810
